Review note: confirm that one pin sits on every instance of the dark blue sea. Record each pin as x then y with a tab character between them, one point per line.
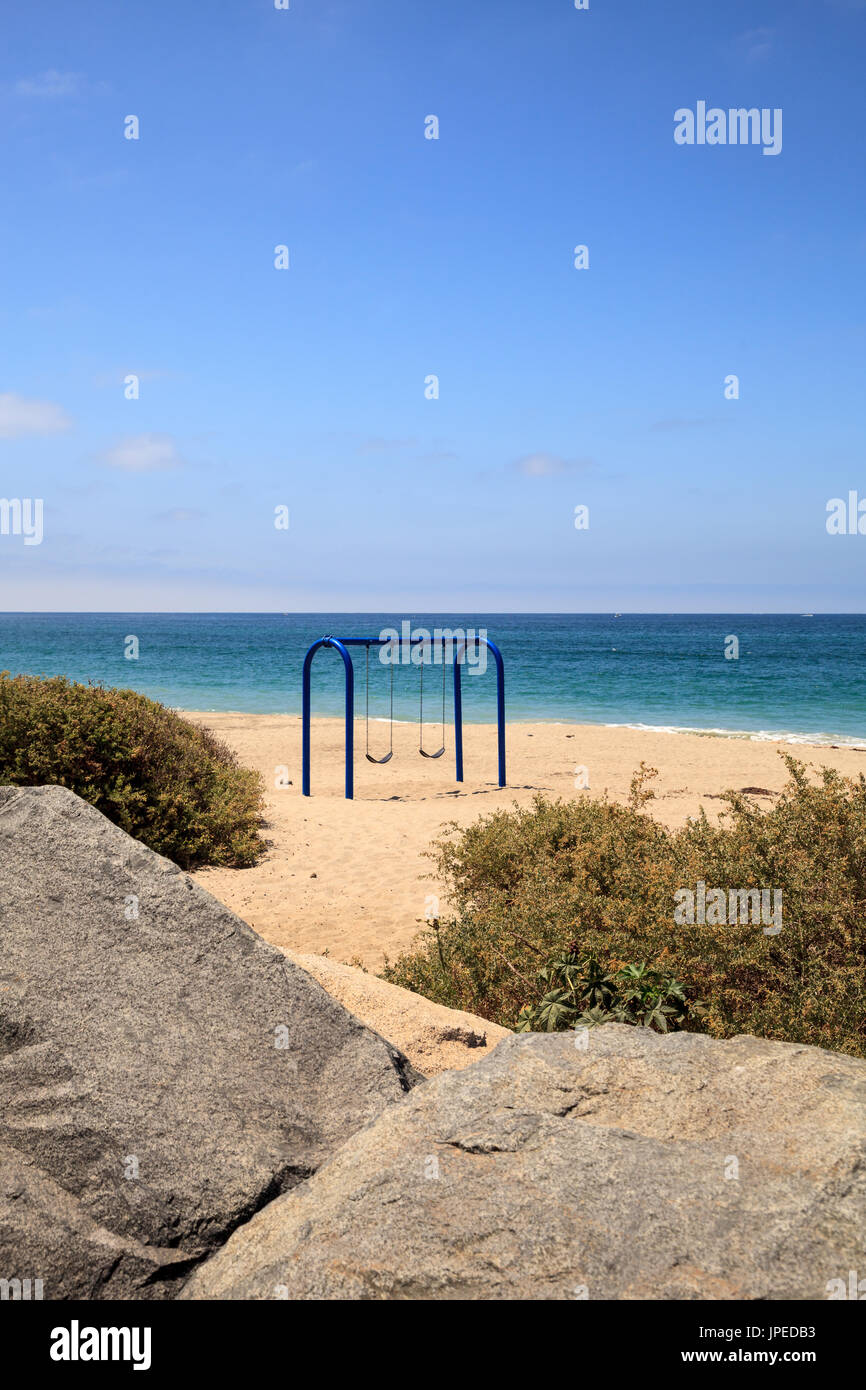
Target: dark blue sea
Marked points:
796	677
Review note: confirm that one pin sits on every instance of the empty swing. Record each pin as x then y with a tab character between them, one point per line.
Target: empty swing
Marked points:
390	753
421	749
343	646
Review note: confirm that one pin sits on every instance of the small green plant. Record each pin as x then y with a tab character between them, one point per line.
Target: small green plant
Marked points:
582	993
172	785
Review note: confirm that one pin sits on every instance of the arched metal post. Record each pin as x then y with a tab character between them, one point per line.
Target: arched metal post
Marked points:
342	645
350	715
458	715
500	706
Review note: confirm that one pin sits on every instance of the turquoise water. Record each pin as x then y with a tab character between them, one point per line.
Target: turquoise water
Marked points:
796	677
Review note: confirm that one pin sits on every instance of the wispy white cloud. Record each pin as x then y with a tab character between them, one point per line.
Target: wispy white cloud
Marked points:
384	446
20	416
755	44
437	456
547	465
117	375
142	453
179	514
50	83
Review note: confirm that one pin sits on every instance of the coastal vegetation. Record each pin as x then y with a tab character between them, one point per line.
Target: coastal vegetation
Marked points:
172	785
566	913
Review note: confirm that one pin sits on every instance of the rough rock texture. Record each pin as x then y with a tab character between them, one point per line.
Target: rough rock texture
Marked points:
433	1037
645	1167
163	1071
45	1233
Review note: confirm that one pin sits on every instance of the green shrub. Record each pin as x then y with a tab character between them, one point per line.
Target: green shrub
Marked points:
172	785
585	878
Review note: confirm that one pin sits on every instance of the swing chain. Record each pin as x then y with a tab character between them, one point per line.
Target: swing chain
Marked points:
421	749
367	752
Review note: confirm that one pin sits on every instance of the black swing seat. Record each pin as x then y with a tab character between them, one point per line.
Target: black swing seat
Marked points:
432	755
387	758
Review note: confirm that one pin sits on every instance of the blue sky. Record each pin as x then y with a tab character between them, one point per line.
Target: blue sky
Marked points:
411	257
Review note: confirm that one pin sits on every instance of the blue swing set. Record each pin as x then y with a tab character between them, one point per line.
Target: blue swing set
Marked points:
457	647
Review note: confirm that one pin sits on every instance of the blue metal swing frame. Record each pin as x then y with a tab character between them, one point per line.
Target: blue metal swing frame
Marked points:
342	645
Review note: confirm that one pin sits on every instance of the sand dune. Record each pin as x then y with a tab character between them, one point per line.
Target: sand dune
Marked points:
349	877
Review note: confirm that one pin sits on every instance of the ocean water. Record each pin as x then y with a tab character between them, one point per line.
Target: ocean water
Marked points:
796	677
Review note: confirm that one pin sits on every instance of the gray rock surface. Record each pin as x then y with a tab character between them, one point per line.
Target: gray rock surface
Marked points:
145	1106
46	1234
645	1167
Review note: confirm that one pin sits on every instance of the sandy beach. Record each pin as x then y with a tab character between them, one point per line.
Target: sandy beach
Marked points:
349	878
